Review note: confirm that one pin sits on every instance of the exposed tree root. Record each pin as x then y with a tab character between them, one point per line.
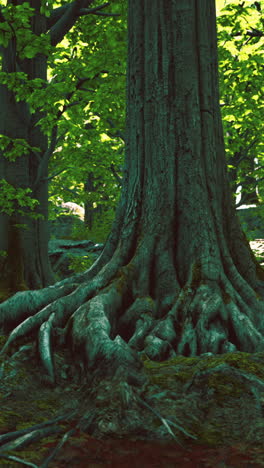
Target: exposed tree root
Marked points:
18	460
135	306
64	439
116	315
29	438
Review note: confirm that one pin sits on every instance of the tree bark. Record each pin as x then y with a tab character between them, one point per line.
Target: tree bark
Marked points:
176	276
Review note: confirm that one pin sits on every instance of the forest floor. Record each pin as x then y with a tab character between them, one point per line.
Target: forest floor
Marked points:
25	401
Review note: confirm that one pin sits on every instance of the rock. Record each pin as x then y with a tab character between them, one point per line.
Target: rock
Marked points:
62	226
62	251
73	209
68	214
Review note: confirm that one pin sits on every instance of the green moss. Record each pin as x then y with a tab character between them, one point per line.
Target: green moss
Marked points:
167	373
196	275
219	389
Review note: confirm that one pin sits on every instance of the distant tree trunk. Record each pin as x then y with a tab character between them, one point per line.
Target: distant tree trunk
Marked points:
89	210
176	275
24	261
28	245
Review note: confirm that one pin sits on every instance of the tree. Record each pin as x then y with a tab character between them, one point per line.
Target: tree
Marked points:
29	133
176	275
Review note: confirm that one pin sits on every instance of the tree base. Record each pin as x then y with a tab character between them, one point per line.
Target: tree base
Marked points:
125	336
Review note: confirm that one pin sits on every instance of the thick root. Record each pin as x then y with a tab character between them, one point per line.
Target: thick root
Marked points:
91	333
115	317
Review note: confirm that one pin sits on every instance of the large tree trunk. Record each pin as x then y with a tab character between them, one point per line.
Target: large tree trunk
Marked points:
26	264
176	276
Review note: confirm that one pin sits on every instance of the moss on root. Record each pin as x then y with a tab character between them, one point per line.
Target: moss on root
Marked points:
184	368
211	399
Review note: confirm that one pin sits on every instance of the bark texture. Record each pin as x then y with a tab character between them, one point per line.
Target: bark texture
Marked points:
176	276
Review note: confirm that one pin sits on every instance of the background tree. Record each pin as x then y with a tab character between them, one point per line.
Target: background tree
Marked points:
29	133
176	275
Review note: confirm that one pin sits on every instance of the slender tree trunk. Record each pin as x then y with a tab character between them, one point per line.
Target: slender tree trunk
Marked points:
89	210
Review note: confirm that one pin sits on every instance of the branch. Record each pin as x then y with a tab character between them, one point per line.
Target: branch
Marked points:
167	422
56	174
66	21
254	33
74	192
63	18
118	132
56	14
116	175
93	10
85	11
96	11
57	448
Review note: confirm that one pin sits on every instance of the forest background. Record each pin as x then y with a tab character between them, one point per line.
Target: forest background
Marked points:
83	106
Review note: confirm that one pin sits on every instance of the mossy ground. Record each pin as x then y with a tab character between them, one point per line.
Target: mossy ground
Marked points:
27	401
209	396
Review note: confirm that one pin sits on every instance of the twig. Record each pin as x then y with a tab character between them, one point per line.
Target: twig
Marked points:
92	10
18	460
57	448
116	175
13	435
96	11
29	438
166	422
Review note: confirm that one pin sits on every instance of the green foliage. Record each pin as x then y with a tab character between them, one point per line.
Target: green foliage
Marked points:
99	232
80	264
13	148
252	221
241	42
17	26
23	88
17	200
46	7
88	74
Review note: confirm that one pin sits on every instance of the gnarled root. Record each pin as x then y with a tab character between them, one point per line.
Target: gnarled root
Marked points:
114	318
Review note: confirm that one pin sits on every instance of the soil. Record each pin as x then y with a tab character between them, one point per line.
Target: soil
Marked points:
193	394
